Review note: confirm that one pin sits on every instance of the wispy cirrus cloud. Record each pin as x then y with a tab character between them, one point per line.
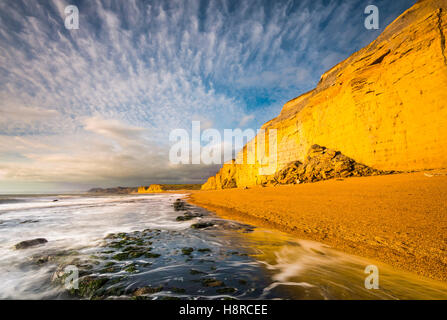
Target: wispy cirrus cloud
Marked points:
97	104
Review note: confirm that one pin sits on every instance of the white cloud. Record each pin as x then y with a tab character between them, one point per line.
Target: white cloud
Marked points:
246	119
25	114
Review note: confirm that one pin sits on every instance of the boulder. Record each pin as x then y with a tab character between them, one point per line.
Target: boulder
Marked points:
322	164
30	243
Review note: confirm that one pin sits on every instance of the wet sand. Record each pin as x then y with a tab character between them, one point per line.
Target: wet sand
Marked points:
400	219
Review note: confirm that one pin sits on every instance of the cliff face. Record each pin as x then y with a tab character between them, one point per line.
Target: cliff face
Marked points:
117	190
153	188
385	106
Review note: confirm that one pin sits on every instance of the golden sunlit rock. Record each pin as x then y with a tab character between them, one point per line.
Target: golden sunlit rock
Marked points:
153	188
384	106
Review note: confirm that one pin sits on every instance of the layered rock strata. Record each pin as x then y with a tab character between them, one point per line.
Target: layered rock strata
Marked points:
385	106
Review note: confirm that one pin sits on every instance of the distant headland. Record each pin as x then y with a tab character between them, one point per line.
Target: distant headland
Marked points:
153	188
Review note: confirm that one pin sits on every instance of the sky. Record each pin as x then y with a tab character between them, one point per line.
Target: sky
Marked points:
94	107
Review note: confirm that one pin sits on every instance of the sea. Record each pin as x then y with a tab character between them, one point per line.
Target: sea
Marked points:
157	246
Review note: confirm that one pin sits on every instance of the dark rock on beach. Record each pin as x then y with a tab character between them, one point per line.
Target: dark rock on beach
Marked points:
184	218
202	225
147	290
30	243
29	221
88	286
187	251
179	205
226	290
211	282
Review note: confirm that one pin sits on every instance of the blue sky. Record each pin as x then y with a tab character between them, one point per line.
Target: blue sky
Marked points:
94	106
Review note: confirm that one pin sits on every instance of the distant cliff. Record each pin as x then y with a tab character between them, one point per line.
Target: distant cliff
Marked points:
153	188
167	187
385	106
116	190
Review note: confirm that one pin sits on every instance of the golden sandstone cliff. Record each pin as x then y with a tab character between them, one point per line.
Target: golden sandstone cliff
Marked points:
153	188
385	106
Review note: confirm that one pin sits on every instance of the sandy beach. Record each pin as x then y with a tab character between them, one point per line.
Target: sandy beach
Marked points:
397	219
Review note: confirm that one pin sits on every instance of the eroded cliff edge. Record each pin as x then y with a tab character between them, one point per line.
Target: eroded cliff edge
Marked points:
384	106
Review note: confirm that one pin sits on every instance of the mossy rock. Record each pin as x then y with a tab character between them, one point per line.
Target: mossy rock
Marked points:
121	256
202	225
136	254
203	250
226	290
131	248
42	260
184	218
236	253
147	290
132	269
116	280
179	205
193	214
85	267
187	251
178	290
211	282
115	291
151	255
129	255
89	286
195	272
111	269
118	245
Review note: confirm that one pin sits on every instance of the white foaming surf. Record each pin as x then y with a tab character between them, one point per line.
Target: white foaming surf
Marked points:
70	222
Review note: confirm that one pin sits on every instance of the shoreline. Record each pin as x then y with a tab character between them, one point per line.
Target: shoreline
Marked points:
400	219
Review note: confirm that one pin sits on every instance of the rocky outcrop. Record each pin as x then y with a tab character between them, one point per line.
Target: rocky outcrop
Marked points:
142	189
224	179
320	164
385	106
153	188
323	164
117	190
30	243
